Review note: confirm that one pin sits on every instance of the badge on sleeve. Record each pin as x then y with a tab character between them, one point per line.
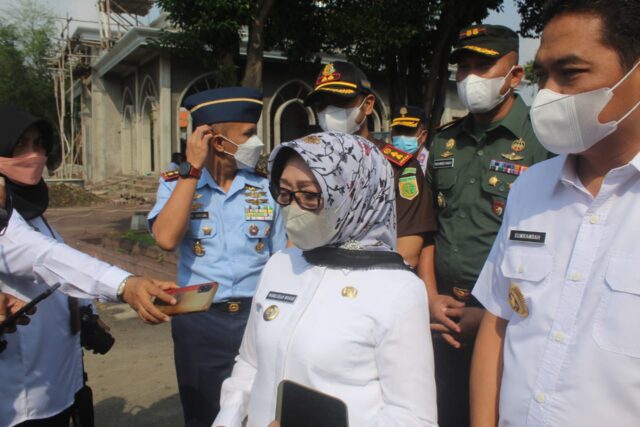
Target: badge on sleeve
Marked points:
408	187
517	300
498	207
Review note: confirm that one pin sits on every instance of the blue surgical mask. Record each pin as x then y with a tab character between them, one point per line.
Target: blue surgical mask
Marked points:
408	144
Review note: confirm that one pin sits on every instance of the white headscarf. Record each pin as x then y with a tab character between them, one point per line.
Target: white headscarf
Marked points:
357	179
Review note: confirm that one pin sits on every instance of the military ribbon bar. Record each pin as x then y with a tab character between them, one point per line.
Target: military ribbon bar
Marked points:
506	167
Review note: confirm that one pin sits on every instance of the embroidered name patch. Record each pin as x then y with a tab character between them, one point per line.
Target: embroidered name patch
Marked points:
527	236
199	215
443	163
282	297
506	167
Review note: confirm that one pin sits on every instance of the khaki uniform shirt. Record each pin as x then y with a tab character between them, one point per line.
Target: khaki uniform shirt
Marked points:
414	201
471	170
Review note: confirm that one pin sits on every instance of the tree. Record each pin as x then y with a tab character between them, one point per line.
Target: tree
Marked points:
529	10
25	39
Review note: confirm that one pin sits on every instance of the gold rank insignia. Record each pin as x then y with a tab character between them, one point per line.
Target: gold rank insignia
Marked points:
349	292
514	157
517	300
198	249
312	139
207	230
260	246
170	175
395	155
493	181
461	294
253	229
451	144
196	206
403	111
446	154
518	145
271	313
440	200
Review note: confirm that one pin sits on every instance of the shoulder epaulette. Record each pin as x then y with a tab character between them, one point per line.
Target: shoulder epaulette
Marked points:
262	166
170	175
396	156
450	124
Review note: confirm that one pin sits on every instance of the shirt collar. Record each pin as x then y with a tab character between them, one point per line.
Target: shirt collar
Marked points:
513	121
567	174
242	178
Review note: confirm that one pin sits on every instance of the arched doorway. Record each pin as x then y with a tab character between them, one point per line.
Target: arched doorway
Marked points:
203	82
287	117
149	150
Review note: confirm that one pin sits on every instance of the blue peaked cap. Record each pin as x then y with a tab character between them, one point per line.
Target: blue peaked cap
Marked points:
228	104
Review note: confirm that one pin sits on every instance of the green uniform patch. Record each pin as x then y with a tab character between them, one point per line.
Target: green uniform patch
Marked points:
408	187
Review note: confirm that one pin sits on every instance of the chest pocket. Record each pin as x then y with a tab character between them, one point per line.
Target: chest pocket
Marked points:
526	267
205	228
497	183
445	178
618	315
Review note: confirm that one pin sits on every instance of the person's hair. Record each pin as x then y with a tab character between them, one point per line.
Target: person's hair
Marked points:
620	23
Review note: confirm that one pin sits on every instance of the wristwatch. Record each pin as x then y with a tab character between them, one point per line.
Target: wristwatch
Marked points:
186	170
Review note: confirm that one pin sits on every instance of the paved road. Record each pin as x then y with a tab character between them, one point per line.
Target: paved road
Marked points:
134	384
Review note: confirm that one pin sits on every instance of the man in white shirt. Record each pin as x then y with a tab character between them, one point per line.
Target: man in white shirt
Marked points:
560	343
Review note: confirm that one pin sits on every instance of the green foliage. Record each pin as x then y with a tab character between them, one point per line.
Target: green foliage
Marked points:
530	11
25	41
529	74
208	31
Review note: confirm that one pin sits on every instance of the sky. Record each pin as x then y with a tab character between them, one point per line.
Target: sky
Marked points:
86	10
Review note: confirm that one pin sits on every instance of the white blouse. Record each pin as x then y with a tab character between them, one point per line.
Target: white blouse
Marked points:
361	336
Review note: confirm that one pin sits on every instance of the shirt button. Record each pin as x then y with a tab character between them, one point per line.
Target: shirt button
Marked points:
540	397
593	219
558	336
521	269
462	215
455	249
576	276
480	153
472	181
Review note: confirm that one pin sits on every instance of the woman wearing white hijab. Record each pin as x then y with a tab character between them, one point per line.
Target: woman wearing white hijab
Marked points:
341	313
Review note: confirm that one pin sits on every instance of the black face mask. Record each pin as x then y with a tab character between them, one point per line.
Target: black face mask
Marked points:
29	200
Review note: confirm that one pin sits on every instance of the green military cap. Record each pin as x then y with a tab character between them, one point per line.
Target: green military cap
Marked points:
492	41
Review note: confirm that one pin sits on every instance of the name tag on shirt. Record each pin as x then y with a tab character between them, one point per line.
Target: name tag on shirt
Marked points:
527	236
199	215
443	163
282	297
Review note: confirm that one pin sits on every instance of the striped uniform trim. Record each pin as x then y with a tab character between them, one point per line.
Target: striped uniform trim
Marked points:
336	90
337	84
406	121
482	50
222	101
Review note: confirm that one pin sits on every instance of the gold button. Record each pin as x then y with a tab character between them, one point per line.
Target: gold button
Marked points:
207	230
253	230
260	246
233	307
349	292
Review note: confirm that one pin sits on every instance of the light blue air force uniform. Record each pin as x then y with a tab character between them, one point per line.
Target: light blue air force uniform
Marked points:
230	235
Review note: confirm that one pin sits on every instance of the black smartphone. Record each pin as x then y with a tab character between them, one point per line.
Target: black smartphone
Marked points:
28	306
300	406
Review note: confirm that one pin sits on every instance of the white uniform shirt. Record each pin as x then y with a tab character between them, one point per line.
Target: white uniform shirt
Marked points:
373	351
41	369
32	255
575	359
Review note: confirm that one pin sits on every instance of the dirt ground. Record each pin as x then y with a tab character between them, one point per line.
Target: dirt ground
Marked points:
134	384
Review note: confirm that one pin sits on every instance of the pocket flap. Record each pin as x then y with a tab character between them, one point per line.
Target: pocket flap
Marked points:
531	264
622	274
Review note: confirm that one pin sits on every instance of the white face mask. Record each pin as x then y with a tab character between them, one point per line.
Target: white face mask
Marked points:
568	124
306	229
336	119
479	94
248	154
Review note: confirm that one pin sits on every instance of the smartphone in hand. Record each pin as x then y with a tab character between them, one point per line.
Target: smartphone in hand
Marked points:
190	299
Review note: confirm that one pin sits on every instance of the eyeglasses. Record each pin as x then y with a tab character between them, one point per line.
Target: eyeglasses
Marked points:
307	200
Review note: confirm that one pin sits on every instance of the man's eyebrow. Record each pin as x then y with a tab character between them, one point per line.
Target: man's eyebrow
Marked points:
570	59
